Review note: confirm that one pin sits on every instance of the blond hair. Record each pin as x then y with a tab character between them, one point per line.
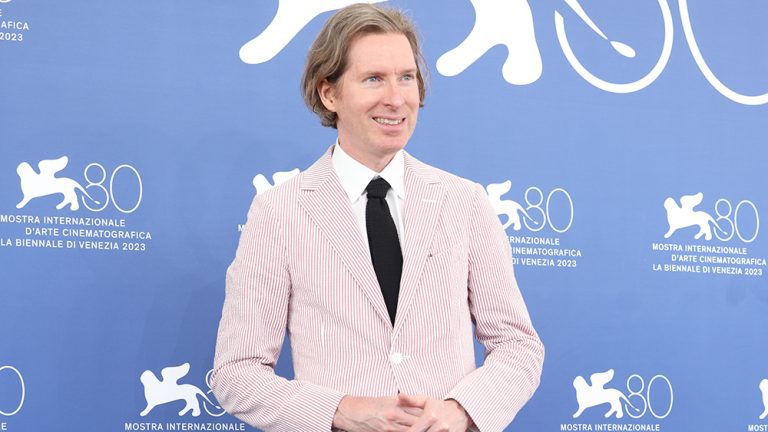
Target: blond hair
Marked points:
327	58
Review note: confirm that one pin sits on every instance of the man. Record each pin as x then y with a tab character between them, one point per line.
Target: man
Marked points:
377	264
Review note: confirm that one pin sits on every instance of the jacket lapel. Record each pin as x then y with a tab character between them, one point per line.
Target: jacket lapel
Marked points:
326	203
424	199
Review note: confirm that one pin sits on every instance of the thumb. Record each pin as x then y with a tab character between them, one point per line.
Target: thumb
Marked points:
414	401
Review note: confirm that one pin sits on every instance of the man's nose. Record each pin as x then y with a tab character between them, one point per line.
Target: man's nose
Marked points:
393	95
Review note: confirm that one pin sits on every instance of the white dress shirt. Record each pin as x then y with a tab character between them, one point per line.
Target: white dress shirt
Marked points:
355	177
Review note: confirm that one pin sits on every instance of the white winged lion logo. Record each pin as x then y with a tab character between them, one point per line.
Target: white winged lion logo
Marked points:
684	216
159	392
508	23
34	185
511	209
596	394
291	17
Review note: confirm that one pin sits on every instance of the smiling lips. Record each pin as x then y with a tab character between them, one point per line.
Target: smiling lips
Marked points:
388	122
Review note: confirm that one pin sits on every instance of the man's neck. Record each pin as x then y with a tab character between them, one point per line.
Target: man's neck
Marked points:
375	162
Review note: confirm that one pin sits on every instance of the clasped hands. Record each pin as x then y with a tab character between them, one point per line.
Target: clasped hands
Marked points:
401	413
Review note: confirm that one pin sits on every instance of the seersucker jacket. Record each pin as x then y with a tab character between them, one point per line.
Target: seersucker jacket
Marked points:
302	265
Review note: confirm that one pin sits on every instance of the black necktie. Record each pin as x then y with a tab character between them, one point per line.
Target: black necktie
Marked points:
383	243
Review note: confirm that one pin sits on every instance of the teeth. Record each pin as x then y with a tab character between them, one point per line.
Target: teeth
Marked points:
387	121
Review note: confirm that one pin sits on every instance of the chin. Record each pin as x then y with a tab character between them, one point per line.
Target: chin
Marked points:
394	143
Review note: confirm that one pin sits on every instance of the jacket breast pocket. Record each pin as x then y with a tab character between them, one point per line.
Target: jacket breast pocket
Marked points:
443	288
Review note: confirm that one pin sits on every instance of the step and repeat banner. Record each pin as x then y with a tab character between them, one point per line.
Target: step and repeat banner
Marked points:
622	144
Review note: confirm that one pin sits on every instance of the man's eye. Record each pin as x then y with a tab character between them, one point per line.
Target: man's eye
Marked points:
409	77
372	79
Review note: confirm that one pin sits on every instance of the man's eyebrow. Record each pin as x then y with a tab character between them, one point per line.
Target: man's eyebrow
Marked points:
370	72
378	72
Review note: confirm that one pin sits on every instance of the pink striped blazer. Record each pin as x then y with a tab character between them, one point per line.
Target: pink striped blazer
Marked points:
302	265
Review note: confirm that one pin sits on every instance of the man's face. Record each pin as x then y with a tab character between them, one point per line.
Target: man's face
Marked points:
376	99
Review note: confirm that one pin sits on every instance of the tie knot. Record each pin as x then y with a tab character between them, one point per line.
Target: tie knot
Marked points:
377	188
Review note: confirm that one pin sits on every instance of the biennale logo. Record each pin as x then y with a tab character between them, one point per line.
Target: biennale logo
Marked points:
764	391
594	393
537	213
726	224
506	207
160	392
588	396
262	185
16	377
507	23
291	17
36	184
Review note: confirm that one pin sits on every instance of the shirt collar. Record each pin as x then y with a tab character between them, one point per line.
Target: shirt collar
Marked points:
355	176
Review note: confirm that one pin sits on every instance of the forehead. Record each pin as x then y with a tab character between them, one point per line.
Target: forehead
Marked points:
380	52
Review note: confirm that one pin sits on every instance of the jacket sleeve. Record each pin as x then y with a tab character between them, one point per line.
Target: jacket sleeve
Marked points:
251	333
494	393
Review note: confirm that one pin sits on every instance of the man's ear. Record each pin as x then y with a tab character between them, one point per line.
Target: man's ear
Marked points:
327	93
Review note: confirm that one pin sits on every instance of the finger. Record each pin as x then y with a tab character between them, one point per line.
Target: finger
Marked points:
403	418
396	427
413	401
412	410
422	424
436	428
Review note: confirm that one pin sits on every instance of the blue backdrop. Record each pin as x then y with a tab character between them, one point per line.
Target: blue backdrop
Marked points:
622	143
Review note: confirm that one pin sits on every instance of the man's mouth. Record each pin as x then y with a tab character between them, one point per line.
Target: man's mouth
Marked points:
389	122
